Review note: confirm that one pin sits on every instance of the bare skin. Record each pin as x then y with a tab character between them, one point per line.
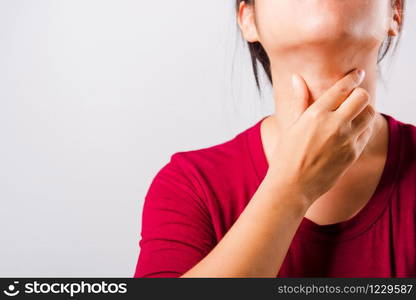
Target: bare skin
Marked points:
325	136
329	38
321	142
358	183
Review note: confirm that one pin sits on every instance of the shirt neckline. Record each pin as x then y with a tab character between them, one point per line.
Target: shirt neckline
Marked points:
368	215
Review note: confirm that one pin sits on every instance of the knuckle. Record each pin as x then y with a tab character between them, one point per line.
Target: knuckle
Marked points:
315	113
348	150
368	131
352	156
371	111
361	93
340	132
345	89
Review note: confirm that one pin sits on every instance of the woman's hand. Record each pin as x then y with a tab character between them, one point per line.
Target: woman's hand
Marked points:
324	138
315	149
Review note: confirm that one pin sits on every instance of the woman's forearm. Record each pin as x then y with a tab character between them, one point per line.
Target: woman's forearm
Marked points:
319	144
257	243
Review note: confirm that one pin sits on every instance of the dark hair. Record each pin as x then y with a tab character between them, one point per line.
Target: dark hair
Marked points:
258	54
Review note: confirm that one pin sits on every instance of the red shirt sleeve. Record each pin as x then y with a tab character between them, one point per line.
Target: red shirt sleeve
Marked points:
176	230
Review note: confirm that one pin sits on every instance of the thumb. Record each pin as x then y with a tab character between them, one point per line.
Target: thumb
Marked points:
300	101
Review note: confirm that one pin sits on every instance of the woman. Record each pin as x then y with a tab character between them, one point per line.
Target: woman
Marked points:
325	186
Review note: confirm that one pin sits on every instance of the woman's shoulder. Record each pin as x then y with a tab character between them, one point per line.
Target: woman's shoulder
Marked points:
405	143
409	131
231	153
209	168
213	166
408	135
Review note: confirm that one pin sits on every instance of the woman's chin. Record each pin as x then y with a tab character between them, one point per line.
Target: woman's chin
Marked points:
325	44
319	34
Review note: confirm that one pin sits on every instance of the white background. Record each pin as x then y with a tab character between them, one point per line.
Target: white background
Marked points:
95	96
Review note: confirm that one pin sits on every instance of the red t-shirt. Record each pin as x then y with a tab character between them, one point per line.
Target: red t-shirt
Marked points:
197	196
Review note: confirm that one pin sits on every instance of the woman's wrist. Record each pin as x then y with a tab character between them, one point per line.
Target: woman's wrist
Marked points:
288	193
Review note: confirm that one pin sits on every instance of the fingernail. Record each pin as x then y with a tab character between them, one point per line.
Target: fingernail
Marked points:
361	75
293	80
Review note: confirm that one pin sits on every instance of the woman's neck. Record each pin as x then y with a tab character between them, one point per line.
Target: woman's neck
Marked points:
320	71
321	68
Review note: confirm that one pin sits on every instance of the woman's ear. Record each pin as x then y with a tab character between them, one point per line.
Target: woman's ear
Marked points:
396	21
246	21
